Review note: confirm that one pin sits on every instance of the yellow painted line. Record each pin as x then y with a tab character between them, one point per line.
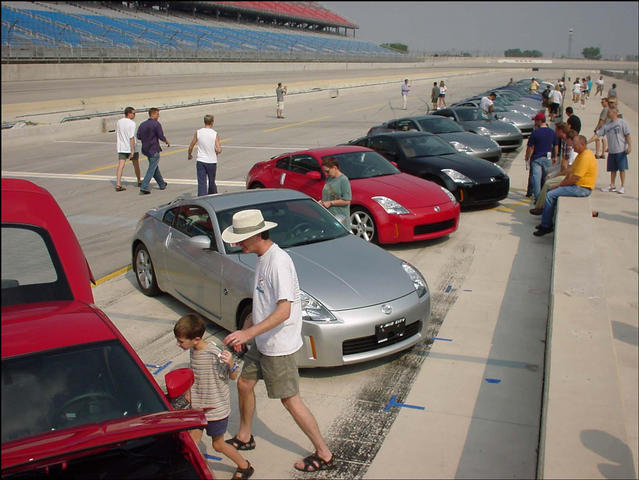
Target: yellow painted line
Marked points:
112	275
504	209
296	124
365	108
164	154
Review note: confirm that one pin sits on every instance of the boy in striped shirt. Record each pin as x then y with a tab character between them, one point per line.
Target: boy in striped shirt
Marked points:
212	369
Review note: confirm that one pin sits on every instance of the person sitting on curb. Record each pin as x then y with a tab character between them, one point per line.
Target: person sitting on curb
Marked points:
579	182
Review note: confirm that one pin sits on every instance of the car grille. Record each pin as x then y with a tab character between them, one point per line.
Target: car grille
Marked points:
366	344
489	191
509	142
434	227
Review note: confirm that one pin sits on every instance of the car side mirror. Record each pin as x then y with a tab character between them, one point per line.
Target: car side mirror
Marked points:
314	175
200	241
394	164
178	382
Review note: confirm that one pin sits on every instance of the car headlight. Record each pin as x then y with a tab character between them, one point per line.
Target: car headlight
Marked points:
456	177
391	206
460	147
450	195
313	310
419	282
483	131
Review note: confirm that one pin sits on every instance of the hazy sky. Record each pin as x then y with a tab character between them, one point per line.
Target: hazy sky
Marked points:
492	27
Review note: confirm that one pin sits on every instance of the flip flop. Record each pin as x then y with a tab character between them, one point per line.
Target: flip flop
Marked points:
238	444
119	188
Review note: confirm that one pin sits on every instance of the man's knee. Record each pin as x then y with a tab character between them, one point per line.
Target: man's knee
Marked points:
245	386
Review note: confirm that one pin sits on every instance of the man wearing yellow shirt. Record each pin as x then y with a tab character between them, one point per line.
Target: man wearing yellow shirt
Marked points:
579	182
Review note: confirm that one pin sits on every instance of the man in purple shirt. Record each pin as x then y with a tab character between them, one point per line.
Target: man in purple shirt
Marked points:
541	153
150	133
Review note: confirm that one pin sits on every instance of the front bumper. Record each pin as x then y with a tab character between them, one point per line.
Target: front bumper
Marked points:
354	339
484	191
420	224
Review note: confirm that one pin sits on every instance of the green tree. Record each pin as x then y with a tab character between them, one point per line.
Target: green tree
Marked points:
591	53
399	47
513	52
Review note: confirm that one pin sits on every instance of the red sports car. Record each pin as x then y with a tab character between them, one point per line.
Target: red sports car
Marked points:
387	206
77	402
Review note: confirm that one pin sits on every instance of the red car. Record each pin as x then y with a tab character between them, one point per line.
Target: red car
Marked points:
77	402
387	206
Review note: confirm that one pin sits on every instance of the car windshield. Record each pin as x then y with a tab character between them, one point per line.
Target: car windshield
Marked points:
299	222
363	165
470	114
58	389
31	269
439	125
425	145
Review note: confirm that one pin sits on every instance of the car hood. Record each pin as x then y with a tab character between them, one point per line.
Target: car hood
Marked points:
346	272
473	167
408	190
473	140
494	126
57	446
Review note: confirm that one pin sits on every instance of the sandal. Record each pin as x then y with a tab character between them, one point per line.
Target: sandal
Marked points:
314	463
240	445
243	473
119	188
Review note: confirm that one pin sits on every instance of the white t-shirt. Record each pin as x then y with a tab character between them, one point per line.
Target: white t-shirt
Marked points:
556	96
571	155
405	89
600	82
124	131
576	88
206	145
485	104
276	279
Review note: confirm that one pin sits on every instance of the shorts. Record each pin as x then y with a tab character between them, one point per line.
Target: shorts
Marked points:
216	428
279	373
617	162
554	108
280	105
125	156
442	95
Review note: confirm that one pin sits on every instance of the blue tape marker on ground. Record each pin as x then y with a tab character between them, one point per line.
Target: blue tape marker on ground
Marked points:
493	380
448	288
162	367
393	403
212	457
443	339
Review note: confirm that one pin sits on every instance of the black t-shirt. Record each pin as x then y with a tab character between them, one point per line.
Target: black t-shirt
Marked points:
574	122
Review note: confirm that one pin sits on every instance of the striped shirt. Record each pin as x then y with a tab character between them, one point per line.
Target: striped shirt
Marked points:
210	388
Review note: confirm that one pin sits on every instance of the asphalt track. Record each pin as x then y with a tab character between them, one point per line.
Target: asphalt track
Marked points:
491	263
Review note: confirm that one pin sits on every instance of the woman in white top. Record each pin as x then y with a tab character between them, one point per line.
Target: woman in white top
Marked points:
208	148
442	94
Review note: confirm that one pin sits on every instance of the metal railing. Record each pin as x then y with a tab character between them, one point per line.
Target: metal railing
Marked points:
85	54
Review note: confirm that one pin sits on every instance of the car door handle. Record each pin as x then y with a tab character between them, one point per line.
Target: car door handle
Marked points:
282	178
168	239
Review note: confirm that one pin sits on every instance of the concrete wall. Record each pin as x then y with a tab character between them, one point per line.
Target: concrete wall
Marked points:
59	71
582	418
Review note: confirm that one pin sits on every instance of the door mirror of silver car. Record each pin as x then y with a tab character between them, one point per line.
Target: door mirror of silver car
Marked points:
200	241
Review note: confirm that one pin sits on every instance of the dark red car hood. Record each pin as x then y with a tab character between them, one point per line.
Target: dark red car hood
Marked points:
408	190
56	446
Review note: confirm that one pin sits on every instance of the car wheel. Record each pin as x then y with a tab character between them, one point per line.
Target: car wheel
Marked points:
363	224
244	314
255	185
144	272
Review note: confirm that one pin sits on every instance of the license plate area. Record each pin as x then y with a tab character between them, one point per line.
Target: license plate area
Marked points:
390	330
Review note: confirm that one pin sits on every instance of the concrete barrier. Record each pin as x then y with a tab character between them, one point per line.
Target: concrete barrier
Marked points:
583	434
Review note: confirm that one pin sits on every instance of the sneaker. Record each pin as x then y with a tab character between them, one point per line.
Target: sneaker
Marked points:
542	231
536	211
611	188
621	190
164	186
145	192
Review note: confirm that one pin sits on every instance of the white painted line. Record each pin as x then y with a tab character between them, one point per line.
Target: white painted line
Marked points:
110	178
258	147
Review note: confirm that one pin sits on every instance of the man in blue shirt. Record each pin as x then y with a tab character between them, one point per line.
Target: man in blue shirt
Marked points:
541	152
150	133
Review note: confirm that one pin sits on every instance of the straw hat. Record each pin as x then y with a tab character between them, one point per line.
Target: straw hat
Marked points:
246	223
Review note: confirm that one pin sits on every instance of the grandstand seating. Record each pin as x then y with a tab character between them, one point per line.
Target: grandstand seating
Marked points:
54	27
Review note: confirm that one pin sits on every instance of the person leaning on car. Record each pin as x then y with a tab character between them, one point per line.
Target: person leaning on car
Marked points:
487	103
336	194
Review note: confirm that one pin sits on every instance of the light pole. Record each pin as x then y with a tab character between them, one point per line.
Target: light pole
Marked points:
570	43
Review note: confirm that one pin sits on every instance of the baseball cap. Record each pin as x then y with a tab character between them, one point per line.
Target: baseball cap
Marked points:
539	117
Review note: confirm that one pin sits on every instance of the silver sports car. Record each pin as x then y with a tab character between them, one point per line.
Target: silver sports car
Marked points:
358	301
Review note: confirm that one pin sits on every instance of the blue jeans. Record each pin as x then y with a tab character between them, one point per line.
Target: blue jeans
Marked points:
551	201
205	171
153	172
538	168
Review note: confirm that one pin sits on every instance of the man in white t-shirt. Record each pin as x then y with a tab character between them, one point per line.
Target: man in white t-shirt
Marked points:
487	103
405	90
126	146
208	148
276	326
